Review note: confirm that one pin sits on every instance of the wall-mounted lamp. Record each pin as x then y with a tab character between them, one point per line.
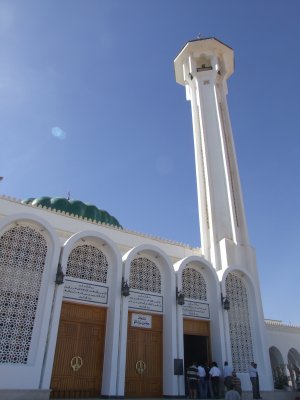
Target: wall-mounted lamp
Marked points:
125	289
225	302
179	297
59	279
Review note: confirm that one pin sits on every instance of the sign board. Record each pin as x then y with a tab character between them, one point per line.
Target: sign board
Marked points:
145	301
88	292
195	309
141	321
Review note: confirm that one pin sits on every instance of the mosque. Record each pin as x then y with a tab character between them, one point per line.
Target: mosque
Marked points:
91	309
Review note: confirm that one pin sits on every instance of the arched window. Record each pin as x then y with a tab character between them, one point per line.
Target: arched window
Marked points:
294	367
87	262
278	368
22	259
193	284
144	275
239	323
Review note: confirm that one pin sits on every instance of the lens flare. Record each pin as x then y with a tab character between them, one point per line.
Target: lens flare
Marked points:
58	133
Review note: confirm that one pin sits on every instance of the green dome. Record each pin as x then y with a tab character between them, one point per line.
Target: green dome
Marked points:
75	207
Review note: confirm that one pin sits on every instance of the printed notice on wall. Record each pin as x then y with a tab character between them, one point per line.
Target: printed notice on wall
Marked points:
145	301
141	321
195	309
88	292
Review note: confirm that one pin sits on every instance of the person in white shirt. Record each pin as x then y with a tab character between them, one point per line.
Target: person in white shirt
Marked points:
202	386
253	374
215	373
227	373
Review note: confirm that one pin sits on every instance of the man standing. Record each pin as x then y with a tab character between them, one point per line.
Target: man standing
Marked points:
254	380
202	385
215	379
227	372
192	378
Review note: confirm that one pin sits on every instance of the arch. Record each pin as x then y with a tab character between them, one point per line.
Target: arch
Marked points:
294	357
278	368
294	367
30	248
251	309
23	251
275	356
100	247
211	291
157	258
241	337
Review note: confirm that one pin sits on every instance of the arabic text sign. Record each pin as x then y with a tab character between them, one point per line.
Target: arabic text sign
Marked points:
195	309
89	292
141	321
145	301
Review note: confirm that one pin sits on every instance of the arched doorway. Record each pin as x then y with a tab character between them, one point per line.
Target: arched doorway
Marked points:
144	359
294	367
79	354
280	378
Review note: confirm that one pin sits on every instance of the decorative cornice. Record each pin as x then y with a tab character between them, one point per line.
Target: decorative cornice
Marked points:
279	324
89	220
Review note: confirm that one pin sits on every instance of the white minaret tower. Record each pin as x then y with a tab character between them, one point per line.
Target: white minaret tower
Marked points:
203	67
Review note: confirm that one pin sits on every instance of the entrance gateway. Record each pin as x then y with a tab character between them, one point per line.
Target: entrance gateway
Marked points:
78	362
196	343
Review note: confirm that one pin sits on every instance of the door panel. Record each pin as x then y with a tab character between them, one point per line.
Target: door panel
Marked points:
144	345
81	334
196	327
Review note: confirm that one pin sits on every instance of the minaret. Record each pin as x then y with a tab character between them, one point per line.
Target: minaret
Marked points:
203	67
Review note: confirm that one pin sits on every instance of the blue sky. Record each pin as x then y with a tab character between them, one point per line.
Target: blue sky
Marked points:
89	104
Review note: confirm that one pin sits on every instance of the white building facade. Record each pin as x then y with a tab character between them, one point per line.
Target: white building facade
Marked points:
90	309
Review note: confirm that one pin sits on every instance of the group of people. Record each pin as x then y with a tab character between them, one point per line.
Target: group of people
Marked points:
204	381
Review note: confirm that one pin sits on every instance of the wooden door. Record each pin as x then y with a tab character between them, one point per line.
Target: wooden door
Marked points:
77	370
144	345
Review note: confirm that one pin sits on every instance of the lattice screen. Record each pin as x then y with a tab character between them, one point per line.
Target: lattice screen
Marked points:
193	284
22	258
239	323
87	262
144	275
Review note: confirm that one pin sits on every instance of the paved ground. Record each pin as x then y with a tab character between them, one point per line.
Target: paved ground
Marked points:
278	395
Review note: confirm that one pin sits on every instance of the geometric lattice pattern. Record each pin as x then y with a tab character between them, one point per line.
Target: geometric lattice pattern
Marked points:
239	323
193	284
22	258
87	262
144	275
